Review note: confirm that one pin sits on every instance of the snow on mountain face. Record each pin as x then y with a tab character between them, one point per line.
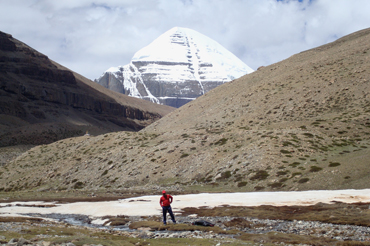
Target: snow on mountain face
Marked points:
176	68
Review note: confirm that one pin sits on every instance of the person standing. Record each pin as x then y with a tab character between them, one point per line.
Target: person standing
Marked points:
165	203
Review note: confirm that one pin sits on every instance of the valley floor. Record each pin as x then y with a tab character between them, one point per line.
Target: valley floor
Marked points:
336	217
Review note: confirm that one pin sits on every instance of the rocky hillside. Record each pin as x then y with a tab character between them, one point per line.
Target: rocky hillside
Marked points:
302	123
41	101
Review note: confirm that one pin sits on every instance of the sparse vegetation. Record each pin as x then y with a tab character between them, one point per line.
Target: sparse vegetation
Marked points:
315	169
184	155
309	135
258	188
285	151
260	175
78	185
225	175
222	141
303	180
295	164
241	184
334	164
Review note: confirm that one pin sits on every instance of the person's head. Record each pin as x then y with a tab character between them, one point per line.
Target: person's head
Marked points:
164	192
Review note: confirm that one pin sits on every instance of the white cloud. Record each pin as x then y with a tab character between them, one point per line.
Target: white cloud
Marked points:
90	36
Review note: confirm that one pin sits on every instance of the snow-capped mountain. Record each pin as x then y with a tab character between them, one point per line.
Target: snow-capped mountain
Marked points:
177	67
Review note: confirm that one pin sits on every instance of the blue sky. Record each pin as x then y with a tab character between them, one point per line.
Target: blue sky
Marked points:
91	36
288	1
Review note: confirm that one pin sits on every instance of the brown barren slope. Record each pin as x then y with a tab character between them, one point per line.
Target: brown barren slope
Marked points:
302	123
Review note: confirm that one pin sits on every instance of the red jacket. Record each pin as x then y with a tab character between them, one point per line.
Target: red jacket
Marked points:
165	201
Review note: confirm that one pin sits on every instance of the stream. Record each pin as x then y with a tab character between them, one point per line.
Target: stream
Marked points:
259	226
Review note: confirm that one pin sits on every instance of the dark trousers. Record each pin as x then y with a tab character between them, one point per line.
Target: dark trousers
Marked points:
169	209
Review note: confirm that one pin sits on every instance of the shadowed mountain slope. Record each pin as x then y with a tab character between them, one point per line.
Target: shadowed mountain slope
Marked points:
42	101
302	123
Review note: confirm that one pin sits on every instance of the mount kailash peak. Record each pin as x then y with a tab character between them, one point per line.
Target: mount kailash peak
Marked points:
175	68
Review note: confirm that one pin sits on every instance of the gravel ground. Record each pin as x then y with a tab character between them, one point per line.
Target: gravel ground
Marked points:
257	226
318	229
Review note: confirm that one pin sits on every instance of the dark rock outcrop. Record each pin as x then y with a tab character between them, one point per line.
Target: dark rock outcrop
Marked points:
41	102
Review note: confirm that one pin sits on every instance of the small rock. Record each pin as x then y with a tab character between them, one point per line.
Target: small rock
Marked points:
45	243
143	229
13	242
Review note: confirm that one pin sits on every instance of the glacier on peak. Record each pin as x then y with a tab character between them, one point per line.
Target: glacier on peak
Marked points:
177	67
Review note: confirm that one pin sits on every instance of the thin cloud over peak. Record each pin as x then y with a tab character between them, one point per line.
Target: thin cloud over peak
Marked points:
91	36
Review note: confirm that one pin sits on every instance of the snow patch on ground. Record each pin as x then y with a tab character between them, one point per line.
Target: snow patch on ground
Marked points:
149	205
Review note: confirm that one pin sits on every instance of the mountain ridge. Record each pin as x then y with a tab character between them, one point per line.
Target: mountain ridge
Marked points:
42	101
175	68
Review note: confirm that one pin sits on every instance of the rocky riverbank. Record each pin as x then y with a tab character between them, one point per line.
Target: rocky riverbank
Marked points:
240	225
334	223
